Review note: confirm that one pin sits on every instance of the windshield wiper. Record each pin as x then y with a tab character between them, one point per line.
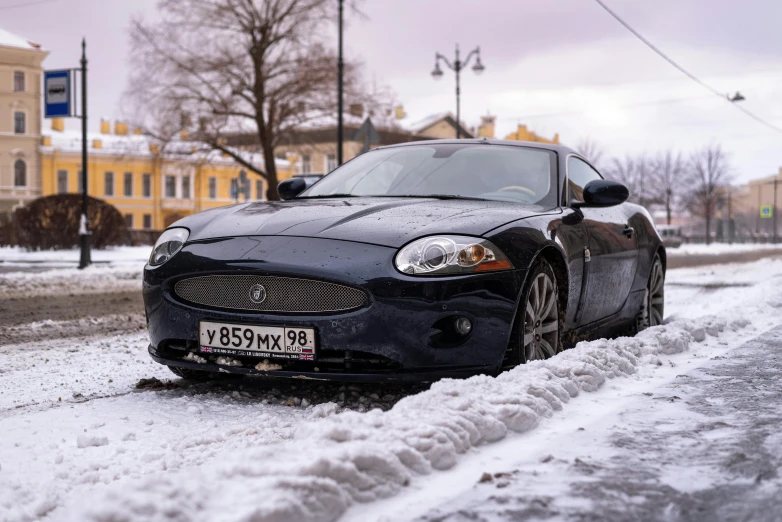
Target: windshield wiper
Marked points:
440	196
422	196
321	196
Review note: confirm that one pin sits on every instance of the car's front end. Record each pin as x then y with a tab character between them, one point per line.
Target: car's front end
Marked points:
245	304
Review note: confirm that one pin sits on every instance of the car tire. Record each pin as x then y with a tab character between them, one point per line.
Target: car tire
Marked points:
539	316
191	375
653	307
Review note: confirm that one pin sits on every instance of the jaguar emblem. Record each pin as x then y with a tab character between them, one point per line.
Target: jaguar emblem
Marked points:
257	294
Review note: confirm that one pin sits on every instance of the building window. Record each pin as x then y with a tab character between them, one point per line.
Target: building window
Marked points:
18	81
62	181
128	184
20	173
147	221
79	181
108	184
258	189
129	220
306	164
170	186
146	185
331	162
19	122
186	187
213	188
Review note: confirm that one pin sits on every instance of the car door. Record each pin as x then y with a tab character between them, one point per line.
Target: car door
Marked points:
613	251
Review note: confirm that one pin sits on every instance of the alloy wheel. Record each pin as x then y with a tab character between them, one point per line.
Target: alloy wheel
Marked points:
656	294
541	319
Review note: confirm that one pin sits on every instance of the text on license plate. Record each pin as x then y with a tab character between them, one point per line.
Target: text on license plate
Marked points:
279	342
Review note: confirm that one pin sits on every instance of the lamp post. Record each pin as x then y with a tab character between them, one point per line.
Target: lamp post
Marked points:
340	86
457	67
774	208
85	259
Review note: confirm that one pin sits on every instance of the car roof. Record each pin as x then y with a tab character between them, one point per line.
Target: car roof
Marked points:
561	149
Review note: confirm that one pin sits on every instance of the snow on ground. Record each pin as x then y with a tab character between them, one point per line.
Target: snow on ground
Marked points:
715	249
747	287
93	279
70	257
80	414
55	272
371	456
76	427
705	445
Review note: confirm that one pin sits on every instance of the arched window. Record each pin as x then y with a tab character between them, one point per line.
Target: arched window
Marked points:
20	173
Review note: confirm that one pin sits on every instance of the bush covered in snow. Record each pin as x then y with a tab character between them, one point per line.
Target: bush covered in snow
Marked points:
52	222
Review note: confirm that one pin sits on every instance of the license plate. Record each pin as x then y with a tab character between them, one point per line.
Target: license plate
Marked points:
278	342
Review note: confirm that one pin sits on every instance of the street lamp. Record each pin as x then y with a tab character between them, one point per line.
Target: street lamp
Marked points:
457	67
736	97
340	88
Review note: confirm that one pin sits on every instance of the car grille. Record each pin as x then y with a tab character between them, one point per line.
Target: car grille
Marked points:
283	294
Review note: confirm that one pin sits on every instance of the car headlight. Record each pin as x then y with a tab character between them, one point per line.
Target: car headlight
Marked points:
168	244
445	255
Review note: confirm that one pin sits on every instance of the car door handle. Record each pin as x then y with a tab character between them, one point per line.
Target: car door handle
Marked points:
628	231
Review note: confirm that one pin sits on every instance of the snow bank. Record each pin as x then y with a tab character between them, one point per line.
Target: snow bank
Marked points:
93	279
691	249
115	255
359	457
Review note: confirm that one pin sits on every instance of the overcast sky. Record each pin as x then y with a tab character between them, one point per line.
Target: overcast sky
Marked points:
560	66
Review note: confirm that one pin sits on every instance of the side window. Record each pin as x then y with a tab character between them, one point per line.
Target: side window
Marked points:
579	174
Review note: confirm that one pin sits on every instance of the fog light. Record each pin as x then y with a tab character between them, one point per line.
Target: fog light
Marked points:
462	325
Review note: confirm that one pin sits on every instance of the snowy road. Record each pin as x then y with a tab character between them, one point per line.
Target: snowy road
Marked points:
83	442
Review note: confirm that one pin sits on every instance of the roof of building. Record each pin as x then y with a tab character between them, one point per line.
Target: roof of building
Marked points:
141	146
425	123
8	39
431	120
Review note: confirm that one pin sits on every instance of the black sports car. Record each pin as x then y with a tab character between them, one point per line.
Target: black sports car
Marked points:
415	261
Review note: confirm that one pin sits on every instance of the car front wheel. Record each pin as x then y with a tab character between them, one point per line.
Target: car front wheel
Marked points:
538	336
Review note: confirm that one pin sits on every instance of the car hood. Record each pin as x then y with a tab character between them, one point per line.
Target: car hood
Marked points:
382	221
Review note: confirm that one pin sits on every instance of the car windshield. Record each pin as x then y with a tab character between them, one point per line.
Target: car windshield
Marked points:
474	170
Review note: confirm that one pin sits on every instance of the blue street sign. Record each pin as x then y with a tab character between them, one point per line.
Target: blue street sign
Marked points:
57	93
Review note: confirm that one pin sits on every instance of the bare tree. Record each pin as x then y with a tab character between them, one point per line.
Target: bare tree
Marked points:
708	172
591	151
218	68
633	171
667	171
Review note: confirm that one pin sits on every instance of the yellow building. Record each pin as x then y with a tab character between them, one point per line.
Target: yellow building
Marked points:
524	134
150	183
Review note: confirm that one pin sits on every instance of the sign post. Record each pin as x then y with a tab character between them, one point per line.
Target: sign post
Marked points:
766	211
60	102
368	134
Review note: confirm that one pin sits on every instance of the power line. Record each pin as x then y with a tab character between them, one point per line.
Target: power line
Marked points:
26	4
685	71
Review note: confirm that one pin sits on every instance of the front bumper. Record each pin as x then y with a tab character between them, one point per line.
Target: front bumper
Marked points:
397	336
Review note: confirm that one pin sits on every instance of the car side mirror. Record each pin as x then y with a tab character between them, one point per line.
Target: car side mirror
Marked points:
290	188
603	193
